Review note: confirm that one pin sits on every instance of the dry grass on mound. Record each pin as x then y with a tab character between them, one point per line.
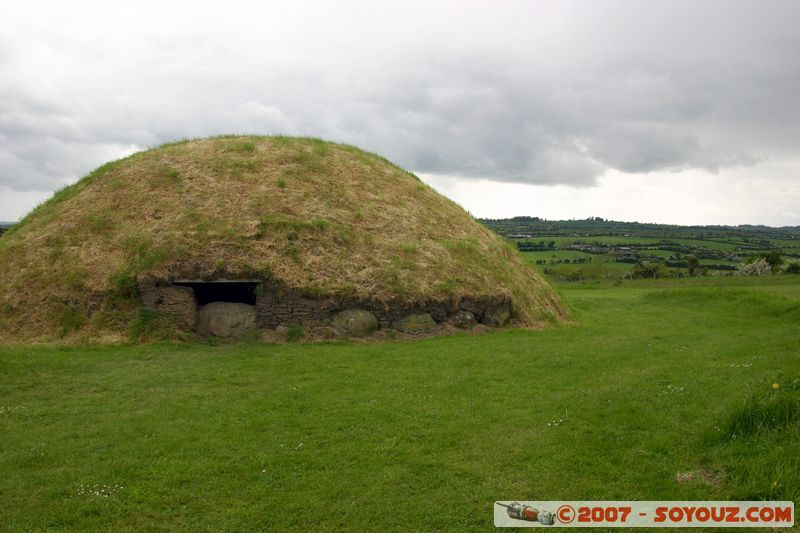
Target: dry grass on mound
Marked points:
323	218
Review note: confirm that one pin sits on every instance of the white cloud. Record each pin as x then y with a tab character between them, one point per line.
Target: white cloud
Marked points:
693	197
571	94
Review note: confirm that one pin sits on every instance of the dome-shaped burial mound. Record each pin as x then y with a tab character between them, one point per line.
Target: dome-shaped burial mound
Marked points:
300	235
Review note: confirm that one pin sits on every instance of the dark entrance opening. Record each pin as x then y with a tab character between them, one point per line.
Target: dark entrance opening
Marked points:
206	292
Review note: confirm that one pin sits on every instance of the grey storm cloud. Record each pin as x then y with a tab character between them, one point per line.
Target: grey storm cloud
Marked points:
527	92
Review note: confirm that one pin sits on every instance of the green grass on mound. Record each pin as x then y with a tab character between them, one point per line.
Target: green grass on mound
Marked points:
660	392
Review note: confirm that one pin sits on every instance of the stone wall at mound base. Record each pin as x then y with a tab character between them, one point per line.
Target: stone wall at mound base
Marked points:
277	306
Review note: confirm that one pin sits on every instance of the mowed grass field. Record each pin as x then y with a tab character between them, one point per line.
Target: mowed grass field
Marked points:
660	391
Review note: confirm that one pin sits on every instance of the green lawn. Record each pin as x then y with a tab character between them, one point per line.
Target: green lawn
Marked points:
655	379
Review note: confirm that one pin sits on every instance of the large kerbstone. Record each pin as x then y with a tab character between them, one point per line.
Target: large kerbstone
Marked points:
355	323
176	301
497	315
226	319
464	320
415	324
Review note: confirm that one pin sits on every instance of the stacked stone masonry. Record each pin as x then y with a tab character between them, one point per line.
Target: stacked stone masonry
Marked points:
281	307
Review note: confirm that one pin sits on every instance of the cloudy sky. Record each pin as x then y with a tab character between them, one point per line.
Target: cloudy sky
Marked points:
682	112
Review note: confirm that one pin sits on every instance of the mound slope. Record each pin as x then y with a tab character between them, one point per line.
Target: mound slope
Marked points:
314	227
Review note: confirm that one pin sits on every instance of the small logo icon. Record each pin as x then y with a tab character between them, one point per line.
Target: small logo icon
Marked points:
565	514
528	513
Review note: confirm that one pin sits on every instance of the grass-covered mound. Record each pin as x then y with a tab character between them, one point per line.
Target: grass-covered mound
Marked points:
320	218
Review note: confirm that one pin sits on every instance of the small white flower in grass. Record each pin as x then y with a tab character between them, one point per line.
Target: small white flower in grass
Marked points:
98	490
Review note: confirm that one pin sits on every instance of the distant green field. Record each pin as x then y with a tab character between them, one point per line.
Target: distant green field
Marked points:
714	245
606	240
614	268
602	239
658	253
655	379
787	243
734	250
608	262
718	262
556	254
